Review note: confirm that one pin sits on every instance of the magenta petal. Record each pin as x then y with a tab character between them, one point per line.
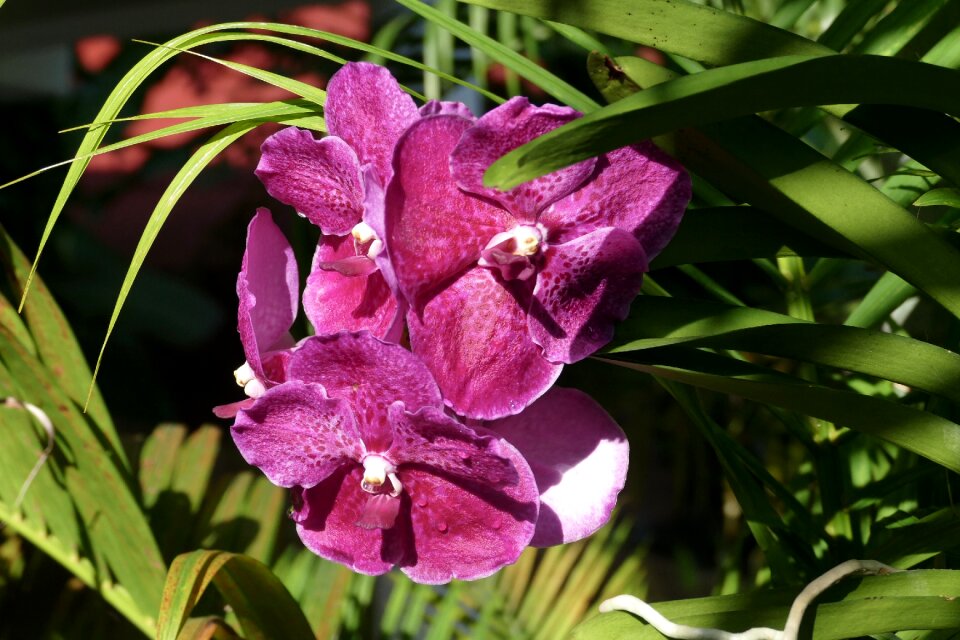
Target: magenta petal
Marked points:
350	266
380	512
319	178
368	373
336	302
368	109
446	108
268	288
327	521
639	189
503	129
230	410
579	457
297	435
433	230
473	336
584	289
430	437
467	530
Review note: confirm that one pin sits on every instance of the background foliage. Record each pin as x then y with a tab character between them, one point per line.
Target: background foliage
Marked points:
788	379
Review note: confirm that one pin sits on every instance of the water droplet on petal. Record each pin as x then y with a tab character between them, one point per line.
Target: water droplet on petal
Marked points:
422	501
442	527
496	522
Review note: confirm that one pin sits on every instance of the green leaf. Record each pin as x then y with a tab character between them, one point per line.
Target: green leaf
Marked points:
257	597
898	27
907	544
297	110
661	321
923	433
111	518
728	92
851	20
884	297
506	56
939	197
882	604
736	233
56	345
694	31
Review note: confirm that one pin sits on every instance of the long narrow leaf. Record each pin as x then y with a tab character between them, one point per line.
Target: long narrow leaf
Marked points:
692	30
264	607
728	92
923	433
506	56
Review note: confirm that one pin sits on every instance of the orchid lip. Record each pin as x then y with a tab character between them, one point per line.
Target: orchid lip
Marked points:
364	235
376	471
513	253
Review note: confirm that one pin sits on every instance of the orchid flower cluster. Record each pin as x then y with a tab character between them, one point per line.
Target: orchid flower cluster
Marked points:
448	456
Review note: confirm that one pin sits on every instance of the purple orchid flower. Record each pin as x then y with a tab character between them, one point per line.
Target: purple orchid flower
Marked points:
268	288
507	287
338	184
383	477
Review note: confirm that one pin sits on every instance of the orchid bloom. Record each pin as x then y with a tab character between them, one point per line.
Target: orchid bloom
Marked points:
506	287
268	288
338	184
383	477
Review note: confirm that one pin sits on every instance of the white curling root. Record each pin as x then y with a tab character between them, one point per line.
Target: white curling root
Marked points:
45	422
641	609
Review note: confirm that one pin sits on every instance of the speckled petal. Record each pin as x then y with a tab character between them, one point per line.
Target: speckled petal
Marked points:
639	189
297	435
327	517
431	438
579	457
464	530
268	288
473	336
584	289
447	108
319	178
503	129
368	109
366	372
335	302
434	230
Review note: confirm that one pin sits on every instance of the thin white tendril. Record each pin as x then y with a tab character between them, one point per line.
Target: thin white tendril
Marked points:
641	609
47	425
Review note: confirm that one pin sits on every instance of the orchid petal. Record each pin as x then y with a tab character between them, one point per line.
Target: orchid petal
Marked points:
464	530
579	457
368	109
433	230
327	517
268	288
366	372
446	108
380	512
584	289
230	410
296	434
319	178
473	336
511	125
336	302
431	438
639	189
